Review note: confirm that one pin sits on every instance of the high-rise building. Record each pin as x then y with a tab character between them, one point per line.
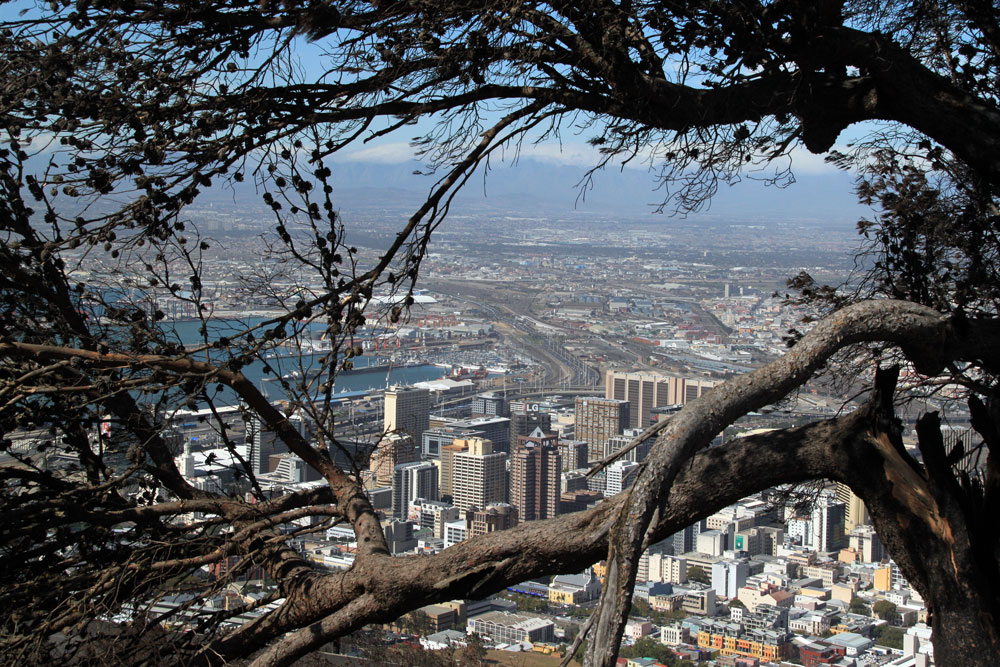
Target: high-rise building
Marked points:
646	391
686	540
494	429
616	443
535	469
262	443
445	467
667	568
866	542
523	422
828	525
407	411
575	454
489	405
434	514
856	514
598	419
392	449
498	516
729	576
478	476
436	439
411	481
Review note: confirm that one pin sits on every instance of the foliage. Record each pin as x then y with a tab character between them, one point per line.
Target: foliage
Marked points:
884	610
529	602
858	606
887	635
647	647
698	574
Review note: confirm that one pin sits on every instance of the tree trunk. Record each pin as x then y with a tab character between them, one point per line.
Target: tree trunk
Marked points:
939	526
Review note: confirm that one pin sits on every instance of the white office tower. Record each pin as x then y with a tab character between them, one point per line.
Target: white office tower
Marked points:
187	462
729	576
620	476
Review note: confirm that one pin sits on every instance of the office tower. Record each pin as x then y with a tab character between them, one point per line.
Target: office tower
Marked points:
261	444
392	449
434	514
856	514
411	481
407	411
445	467
526	421
489	405
664	567
494	429
616	443
478	476
866	542
597	419
646	391
729	576
828	525
574	454
436	439
686	540
498	516
535	469
620	476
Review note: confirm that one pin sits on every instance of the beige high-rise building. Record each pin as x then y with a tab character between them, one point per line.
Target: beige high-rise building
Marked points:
478	476
407	411
645	391
856	512
447	452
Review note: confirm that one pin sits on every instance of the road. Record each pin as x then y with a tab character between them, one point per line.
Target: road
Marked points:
538	340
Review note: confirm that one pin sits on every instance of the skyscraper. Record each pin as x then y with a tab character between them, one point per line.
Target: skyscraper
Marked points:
407	411
616	443
575	454
478	476
447	453
646	391
856	512
523	422
828	525
535	470
411	481
597	419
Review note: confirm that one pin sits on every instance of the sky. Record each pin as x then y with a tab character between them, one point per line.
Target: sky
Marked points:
545	177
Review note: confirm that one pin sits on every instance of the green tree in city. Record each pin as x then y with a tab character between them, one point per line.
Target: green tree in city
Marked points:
884	610
858	606
697	573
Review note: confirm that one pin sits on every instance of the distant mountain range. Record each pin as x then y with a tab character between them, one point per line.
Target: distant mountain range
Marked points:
532	187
